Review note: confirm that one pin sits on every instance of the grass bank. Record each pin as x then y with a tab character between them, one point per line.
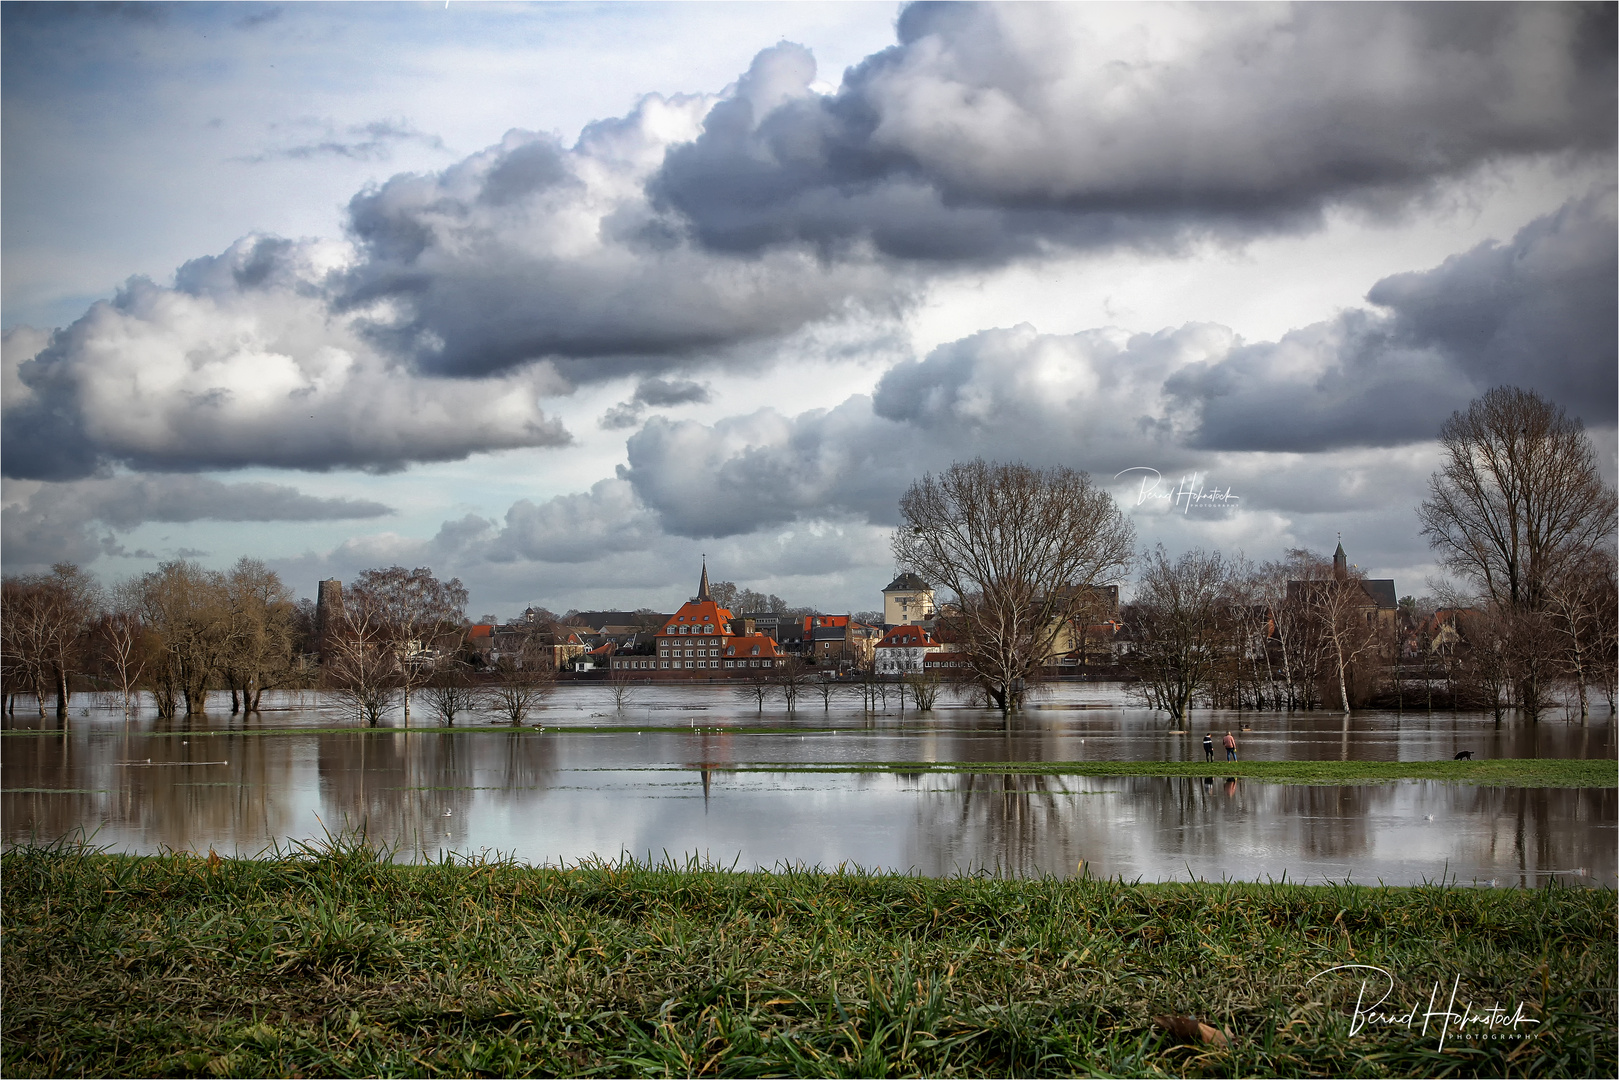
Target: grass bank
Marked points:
331	961
1504	772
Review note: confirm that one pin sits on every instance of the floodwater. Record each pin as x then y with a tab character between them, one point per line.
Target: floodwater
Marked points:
684	772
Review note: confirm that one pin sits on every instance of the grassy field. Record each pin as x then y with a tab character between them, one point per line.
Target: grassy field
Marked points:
329	960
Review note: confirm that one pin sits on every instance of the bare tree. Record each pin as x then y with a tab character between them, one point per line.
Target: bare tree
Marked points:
757	684
421	617
1019	549
828	688
623	686
1518	500
451	692
791	678
259	654
1180	628
188	609
1347	626
521	682
26	618
47	620
923	686
1575	615
126	645
362	664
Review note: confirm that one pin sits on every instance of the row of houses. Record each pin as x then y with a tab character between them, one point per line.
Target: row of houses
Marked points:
705	641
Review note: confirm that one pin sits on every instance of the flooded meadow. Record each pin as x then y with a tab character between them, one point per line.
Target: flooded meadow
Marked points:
692	772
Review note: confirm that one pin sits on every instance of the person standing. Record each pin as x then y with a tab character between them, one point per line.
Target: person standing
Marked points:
1230	747
1208	746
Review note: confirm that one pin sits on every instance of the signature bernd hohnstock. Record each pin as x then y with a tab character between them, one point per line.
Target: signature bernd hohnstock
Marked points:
1375	1008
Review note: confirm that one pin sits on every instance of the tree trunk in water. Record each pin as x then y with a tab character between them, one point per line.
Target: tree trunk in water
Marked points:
62	691
1343	680
235	700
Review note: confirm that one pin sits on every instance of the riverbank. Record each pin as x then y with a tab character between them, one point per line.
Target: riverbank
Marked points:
328	960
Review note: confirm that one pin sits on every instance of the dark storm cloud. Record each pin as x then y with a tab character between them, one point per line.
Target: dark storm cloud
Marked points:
698	232
995	131
1539	312
1536	312
76	520
531	251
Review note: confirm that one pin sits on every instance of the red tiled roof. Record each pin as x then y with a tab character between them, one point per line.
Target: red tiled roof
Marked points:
906	637
699	613
751	645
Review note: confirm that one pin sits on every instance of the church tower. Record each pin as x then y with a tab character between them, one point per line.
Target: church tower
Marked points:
702	584
1340	563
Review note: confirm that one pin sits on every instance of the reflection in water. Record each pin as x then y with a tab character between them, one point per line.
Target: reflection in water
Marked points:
665	786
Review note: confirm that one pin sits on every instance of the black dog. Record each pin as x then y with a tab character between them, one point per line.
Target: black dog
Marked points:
1465	755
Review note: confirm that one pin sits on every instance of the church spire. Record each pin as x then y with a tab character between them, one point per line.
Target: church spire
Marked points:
702	584
1340	561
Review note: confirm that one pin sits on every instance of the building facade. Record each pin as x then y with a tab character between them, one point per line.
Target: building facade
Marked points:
907	600
904	650
702	641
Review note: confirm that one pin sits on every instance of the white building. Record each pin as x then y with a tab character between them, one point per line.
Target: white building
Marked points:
902	649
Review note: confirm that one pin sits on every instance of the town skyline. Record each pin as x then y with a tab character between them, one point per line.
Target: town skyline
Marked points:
557	299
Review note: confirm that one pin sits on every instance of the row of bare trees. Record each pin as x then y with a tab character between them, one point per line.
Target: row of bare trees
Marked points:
1519	512
175	633
1291	633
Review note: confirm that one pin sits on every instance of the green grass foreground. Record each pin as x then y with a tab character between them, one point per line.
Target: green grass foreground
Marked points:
1503	772
329	960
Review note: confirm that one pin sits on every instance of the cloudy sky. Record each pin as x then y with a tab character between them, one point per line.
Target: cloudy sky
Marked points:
559	298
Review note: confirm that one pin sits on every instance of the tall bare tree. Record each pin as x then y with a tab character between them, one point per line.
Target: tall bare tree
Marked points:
188	609
1346	622
1579	605
262	634
1017	548
421	618
522	681
1518	500
24	627
1181	627
127	645
361	662
47	619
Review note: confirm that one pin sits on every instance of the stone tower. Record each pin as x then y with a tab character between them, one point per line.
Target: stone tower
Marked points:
328	612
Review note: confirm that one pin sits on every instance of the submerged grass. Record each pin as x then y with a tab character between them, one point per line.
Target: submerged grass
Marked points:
330	960
1502	772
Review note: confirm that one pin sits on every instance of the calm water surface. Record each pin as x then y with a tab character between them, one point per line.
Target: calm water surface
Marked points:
655	780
